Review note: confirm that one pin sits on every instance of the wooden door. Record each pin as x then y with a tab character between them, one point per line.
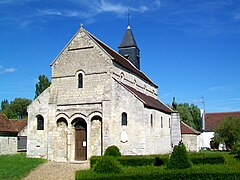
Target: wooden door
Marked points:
80	144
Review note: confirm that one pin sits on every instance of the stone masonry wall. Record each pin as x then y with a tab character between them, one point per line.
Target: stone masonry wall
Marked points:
8	145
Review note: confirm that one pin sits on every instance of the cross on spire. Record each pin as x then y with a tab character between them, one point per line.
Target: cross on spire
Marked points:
81	25
128	17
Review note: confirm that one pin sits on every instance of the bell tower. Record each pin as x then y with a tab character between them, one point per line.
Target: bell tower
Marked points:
128	47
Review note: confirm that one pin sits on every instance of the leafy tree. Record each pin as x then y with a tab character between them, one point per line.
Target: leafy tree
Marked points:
43	83
9	113
228	131
190	114
4	104
19	107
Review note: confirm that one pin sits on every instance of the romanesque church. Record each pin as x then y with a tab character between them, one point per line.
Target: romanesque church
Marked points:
98	98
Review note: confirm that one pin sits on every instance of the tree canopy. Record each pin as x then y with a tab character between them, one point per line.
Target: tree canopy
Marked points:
190	114
228	131
16	109
43	83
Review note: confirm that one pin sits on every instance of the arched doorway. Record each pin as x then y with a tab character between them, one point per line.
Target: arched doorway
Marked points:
96	136
61	140
80	139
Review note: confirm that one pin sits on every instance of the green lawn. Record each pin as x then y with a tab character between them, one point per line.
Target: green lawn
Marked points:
17	166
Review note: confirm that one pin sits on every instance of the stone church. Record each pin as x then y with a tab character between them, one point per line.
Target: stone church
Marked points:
98	98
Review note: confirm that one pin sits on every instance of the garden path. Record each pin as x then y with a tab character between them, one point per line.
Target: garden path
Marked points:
55	171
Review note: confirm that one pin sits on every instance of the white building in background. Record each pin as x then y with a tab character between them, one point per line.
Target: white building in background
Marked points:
210	122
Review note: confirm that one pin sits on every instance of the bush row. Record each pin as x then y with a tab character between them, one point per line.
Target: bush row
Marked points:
134	160
196	158
147	172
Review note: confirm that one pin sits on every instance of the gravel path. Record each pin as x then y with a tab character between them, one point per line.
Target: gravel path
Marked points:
55	171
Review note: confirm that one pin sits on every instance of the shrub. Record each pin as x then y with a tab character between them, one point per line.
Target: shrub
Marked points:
107	164
179	158
236	150
112	151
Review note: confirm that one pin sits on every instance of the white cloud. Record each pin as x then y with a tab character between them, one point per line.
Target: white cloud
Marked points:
7	70
10	70
87	10
105	6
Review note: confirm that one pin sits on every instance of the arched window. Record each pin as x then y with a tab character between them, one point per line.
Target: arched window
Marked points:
161	122
151	120
80	80
40	122
124	119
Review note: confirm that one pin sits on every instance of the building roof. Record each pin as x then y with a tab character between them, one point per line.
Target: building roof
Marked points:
185	129
122	61
13	126
213	119
128	39
148	101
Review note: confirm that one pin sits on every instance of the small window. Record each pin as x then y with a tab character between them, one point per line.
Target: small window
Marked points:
40	123
161	122
80	80
169	123
122	76
124	119
151	120
126	56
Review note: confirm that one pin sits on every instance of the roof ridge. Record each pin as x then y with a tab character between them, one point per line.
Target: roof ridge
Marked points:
81	28
223	112
191	128
147	100
143	76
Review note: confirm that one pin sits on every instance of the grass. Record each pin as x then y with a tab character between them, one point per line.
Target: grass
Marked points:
229	170
17	166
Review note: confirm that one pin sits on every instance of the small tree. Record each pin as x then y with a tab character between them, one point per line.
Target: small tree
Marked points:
179	158
42	84
228	131
4	104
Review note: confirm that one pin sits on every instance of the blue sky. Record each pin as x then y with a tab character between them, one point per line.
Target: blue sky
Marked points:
190	48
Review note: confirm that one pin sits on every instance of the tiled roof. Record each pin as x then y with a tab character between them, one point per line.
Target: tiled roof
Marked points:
212	119
185	129
148	101
122	61
128	39
13	126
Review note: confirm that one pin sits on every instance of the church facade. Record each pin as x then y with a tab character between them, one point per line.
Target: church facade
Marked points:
98	98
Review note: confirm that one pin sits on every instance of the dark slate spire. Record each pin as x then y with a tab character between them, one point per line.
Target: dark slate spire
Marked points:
129	49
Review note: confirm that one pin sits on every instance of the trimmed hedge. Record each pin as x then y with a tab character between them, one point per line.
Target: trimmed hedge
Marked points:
134	160
112	151
107	164
151	172
198	158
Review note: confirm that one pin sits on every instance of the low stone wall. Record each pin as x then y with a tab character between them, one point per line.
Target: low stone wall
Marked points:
8	145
